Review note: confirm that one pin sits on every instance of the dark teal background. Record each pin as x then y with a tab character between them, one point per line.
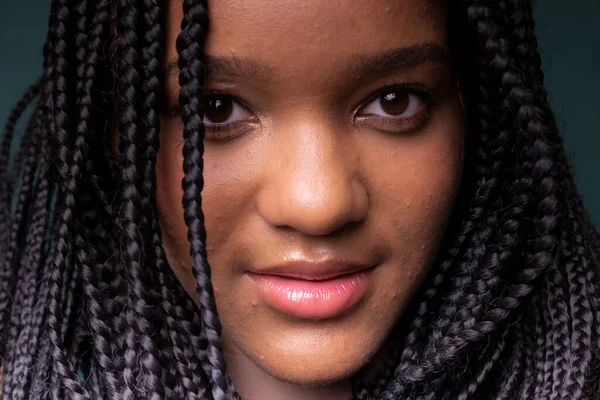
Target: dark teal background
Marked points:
569	39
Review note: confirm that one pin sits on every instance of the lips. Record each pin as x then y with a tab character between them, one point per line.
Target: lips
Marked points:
313	290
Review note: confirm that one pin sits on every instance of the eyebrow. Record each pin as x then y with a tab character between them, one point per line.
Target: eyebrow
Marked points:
381	64
229	67
400	59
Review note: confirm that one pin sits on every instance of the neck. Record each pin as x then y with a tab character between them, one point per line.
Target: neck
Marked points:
252	383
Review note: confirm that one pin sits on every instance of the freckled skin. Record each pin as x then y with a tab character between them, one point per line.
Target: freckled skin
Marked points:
308	179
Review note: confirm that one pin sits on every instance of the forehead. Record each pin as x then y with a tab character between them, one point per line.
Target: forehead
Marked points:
290	31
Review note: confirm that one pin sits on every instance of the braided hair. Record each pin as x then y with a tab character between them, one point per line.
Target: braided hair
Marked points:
90	309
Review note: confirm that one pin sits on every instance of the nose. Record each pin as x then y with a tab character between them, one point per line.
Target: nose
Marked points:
314	184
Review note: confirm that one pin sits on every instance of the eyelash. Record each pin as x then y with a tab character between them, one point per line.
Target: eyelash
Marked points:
425	92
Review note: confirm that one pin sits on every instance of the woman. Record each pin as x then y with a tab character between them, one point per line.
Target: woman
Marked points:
380	191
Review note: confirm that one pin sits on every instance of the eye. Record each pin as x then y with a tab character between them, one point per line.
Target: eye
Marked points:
224	110
395	104
397	110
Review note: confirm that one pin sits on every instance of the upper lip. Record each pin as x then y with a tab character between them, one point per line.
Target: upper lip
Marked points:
313	271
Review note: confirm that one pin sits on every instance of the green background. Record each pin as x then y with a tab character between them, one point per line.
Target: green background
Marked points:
569	39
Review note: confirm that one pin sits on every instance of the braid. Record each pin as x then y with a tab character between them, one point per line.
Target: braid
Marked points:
6	139
83	99
139	316
17	363
187	375
11	226
189	46
70	154
539	175
89	229
104	301
527	50
11	251
513	371
38	343
561	324
538	182
531	343
488	364
151	90
531	62
488	147
582	278
466	301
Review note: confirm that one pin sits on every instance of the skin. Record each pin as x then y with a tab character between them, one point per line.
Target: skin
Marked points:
307	174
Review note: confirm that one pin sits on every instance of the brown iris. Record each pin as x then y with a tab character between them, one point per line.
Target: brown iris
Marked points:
218	109
394	103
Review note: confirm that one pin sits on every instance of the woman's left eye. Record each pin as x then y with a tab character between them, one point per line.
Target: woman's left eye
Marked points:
395	110
395	104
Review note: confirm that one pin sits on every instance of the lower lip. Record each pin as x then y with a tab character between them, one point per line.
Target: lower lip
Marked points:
313	299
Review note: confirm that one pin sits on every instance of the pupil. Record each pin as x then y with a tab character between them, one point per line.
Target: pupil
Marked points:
394	103
219	109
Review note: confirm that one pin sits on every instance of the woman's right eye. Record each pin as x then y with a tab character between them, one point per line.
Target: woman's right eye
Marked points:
225	118
223	110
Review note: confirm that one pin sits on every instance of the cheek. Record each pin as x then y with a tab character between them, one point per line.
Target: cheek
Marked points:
412	200
420	186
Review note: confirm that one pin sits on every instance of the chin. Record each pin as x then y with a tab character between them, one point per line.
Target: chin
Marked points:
303	351
313	374
300	363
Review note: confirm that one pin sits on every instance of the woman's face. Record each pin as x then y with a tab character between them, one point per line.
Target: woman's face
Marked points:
333	155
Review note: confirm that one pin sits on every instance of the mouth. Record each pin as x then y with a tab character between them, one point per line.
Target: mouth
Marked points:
310	295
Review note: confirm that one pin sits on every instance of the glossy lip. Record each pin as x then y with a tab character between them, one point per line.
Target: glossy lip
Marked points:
313	290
